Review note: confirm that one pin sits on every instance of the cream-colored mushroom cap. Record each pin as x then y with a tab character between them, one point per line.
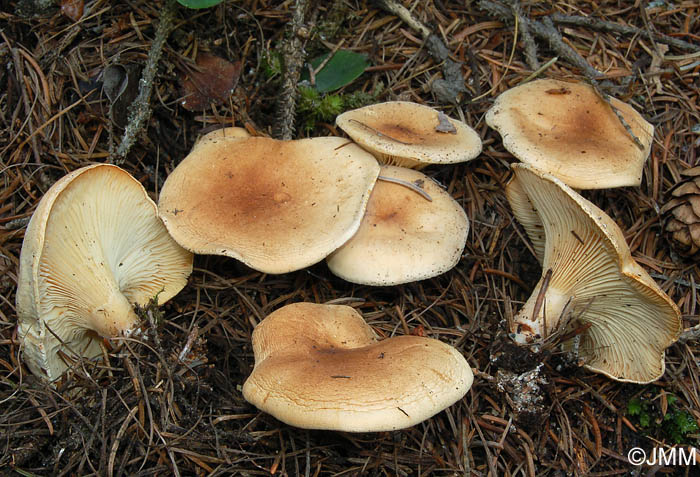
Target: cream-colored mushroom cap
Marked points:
321	367
594	286
93	247
409	134
569	131
277	206
403	237
224	134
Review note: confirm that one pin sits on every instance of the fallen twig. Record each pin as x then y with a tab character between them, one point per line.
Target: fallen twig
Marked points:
602	25
140	109
689	334
545	30
409	185
293	61
530	45
452	84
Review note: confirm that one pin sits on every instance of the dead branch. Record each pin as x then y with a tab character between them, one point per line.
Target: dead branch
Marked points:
293	61
140	109
545	30
602	25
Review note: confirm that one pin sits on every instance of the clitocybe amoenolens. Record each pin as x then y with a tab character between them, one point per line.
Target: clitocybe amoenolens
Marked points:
590	283
402	133
569	131
94	247
412	230
321	367
277	206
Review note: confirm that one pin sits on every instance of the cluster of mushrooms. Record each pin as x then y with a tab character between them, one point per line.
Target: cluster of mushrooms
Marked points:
97	244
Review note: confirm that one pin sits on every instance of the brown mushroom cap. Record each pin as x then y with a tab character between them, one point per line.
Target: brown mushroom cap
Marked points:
594	282
403	236
408	134
321	367
277	206
569	131
94	246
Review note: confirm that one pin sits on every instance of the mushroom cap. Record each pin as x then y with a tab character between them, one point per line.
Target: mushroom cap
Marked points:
93	247
594	281
321	367
569	131
224	134
277	206
408	134
403	236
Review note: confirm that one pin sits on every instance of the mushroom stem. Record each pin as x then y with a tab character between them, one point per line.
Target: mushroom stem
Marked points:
530	323
114	318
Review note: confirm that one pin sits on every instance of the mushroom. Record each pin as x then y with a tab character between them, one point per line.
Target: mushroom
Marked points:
406	235
277	206
568	130
223	134
94	246
321	367
593	295
408	134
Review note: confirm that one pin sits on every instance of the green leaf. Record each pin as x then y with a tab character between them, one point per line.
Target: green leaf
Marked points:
199	3
344	68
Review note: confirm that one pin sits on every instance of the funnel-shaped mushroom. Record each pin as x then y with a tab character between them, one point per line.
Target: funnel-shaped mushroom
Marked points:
93	247
569	131
591	282
277	206
409	134
321	367
405	235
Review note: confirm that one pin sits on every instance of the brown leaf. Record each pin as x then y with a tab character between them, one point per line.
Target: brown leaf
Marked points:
213	81
73	9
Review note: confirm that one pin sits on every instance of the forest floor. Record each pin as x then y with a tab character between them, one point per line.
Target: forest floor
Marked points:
146	412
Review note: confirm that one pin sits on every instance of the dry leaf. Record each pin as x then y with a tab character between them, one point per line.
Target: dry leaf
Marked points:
73	9
213	81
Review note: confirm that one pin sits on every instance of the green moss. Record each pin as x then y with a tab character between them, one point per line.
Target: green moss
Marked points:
314	107
675	427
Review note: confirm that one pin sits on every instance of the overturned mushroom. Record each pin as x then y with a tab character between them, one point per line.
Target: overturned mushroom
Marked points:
406	235
321	367
591	286
277	206
568	130
93	247
409	134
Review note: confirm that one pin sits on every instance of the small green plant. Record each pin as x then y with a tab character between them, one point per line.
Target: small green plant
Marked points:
272	64
315	107
675	426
